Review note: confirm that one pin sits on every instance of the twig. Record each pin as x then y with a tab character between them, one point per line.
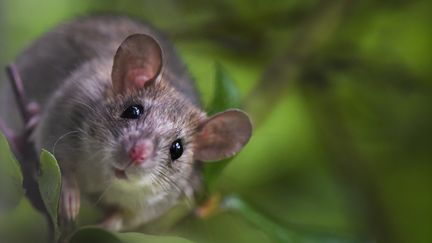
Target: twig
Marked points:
10	136
18	89
5	130
21	144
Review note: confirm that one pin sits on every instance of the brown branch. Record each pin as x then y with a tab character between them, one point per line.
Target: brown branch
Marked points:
6	131
22	146
18	90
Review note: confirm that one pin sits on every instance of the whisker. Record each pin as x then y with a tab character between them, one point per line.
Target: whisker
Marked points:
168	180
103	194
82	103
61	137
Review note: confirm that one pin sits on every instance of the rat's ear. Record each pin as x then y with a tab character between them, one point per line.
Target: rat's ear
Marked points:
137	63
222	135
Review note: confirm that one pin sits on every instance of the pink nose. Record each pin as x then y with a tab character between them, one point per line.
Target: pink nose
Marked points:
141	151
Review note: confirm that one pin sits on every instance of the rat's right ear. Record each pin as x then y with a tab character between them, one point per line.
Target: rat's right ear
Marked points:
137	63
222	135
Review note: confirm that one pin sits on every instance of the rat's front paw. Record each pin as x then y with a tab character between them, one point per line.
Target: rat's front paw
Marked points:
70	200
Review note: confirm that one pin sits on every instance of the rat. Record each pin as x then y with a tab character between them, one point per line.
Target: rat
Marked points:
122	115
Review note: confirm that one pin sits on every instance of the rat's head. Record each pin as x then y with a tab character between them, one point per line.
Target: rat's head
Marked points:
149	130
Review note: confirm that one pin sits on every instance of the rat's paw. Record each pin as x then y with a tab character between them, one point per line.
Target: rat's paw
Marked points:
69	200
113	222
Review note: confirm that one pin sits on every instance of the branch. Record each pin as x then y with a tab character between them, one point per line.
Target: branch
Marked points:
22	146
6	131
18	89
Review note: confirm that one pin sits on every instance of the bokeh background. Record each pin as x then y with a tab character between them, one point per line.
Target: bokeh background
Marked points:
339	92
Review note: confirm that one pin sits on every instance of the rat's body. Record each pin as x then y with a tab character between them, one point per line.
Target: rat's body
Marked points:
124	123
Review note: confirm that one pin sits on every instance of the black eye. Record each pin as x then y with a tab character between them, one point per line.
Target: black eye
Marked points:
133	112
176	149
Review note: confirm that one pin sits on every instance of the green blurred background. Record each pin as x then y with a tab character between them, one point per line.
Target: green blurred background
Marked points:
339	92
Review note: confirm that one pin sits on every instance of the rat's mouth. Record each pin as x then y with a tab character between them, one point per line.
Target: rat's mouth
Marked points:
120	174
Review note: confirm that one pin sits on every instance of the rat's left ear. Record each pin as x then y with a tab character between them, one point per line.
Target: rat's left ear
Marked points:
222	135
137	63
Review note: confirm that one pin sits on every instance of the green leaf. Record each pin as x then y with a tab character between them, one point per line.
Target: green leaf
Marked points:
23	224
140	238
50	185
275	230
226	94
11	179
94	234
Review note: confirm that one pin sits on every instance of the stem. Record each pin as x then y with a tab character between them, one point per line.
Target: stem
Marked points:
23	146
276	231
6	131
18	89
234	203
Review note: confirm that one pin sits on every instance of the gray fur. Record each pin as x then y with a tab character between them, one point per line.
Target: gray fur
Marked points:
68	72
64	49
